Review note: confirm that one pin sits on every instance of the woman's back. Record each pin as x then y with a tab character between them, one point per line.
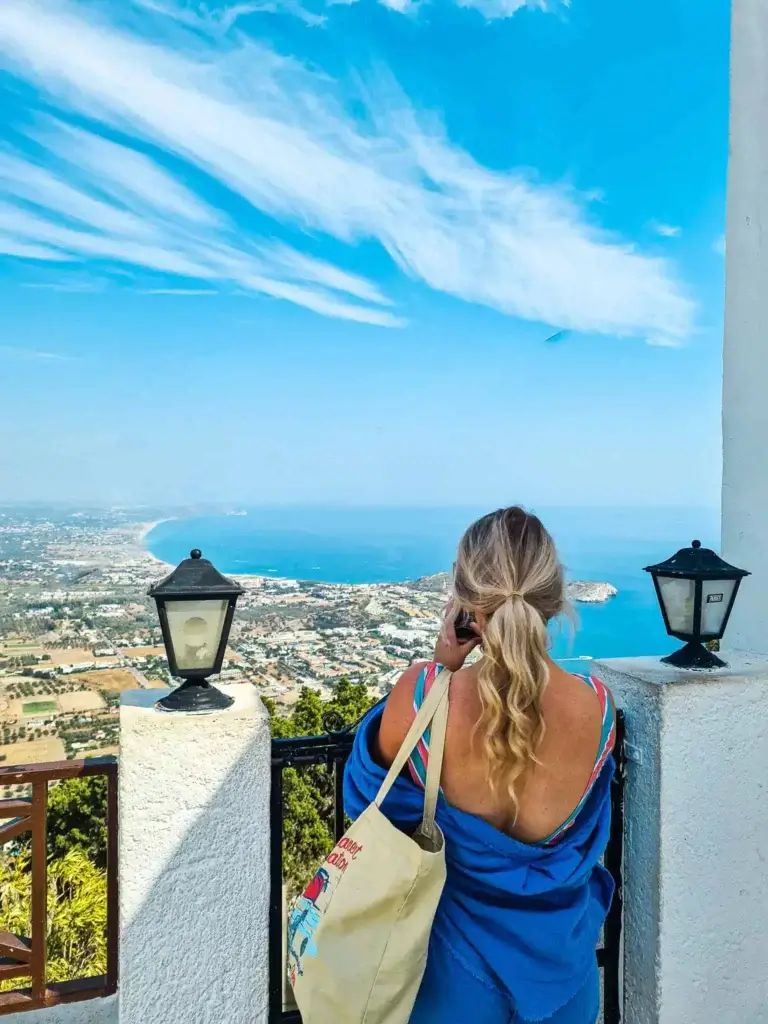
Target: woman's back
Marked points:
514	936
525	791
548	790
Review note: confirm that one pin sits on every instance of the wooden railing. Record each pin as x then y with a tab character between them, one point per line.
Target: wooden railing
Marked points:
25	957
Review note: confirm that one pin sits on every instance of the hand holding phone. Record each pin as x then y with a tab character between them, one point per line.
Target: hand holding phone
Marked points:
462	627
452	647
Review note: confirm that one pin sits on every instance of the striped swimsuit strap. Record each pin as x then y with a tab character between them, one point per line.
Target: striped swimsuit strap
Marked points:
607	741
419	759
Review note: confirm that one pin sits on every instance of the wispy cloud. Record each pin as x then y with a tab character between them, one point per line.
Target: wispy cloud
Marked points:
219	17
12	246
666	230
16	352
177	291
664	341
719	245
73	287
279	137
402	6
493	9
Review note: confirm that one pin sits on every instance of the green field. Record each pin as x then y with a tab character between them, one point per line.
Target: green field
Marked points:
39	707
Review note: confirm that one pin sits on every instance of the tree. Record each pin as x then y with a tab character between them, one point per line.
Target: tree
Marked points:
77	913
309	793
77	820
350	700
306	718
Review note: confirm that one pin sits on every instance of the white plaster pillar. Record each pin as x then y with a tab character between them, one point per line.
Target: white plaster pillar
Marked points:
696	841
745	351
194	862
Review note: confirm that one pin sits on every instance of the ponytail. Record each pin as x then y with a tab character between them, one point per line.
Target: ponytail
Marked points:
512	678
507	568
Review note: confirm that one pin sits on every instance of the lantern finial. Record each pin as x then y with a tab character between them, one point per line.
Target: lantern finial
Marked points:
696	590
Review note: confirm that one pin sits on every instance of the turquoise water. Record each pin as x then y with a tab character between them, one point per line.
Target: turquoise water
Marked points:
392	545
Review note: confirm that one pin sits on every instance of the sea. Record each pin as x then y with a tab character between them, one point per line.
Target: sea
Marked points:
393	545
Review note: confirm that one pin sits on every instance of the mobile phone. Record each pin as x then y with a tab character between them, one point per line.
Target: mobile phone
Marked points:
462	627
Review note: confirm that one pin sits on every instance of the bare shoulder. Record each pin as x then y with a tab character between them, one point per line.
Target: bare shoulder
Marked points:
573	713
398	714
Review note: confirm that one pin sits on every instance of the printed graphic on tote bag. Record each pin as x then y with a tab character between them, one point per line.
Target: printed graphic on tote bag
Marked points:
312	904
303	922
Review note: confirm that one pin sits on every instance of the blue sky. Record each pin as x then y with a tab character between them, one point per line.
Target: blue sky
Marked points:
296	251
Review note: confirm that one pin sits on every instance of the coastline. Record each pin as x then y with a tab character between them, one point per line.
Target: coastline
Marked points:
143	531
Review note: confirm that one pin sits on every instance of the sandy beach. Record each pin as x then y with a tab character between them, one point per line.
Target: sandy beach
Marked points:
142	531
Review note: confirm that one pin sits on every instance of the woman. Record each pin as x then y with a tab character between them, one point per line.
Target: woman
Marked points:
525	793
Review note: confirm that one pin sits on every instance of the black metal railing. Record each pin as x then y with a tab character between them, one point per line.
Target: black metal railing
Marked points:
609	956
332	751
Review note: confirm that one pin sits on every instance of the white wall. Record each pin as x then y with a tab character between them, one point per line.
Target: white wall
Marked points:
696	853
194	862
745	352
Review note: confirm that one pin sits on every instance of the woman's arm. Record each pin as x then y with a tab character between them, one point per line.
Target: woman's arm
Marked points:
399	712
360	785
397	716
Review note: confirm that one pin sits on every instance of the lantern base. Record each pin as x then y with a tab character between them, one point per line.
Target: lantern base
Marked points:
197	697
694	656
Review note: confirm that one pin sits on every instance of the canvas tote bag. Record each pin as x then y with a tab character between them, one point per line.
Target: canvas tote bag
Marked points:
358	936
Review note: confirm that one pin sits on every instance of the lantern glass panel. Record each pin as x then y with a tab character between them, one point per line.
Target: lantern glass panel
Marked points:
196	628
715	600
678	597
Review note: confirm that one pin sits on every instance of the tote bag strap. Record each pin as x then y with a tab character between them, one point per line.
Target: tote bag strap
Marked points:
433	711
435	763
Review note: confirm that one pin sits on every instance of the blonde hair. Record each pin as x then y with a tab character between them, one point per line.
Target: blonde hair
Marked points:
508	568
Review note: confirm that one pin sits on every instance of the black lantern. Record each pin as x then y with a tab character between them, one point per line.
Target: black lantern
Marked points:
696	590
195	605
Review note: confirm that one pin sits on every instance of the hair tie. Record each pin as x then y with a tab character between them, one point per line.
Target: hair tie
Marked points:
515	593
